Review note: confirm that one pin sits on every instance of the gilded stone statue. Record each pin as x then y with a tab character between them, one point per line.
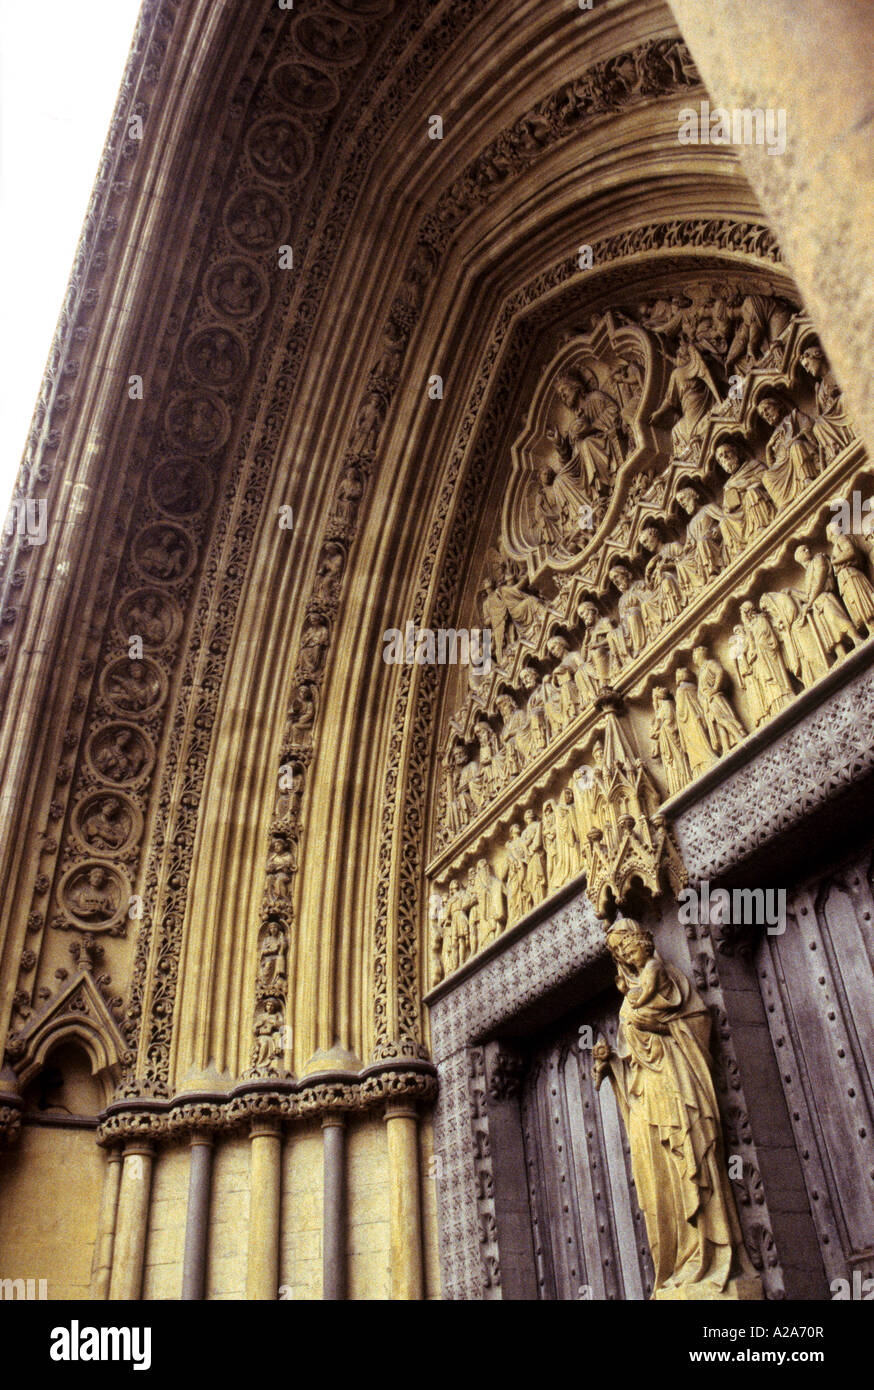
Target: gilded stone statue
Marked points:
660	1070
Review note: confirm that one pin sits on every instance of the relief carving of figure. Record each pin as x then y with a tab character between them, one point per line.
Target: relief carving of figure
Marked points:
273	958
831	427
703	532
747	507
266	1048
281	866
791	454
690	394
313	646
629	608
514	880
760	319
564	702
667	597
435	936
566	823
854	586
132	685
603	651
761	668
108	824
489	759
163	553
120	756
488	912
820	606
551	846
666	743
350	490
724	729
660	1070
592	449
536	730
94	896
149	617
510	611
461	772
681	558
513	737
691	723
534	890
458	900
803	651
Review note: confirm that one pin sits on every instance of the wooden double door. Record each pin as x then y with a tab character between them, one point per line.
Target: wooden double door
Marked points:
588	1231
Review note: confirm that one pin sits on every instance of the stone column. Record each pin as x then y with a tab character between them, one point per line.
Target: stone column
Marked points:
402	1133
197	1218
816	63
132	1220
334	1219
262	1272
101	1264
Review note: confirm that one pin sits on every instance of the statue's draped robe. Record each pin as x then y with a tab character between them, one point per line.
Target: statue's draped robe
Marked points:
666	1094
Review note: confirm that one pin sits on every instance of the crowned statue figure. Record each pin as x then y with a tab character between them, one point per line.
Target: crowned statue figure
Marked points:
660	1070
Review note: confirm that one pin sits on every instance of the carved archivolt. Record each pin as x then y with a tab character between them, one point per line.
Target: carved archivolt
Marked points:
103	802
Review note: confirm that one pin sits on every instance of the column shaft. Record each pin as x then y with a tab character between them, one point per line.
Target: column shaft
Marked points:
101	1265
262	1275
132	1221
197	1219
334	1219
407	1281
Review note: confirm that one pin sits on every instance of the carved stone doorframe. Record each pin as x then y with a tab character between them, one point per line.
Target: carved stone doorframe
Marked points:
556	958
540	967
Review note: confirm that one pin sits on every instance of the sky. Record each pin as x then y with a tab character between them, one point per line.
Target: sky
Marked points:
61	64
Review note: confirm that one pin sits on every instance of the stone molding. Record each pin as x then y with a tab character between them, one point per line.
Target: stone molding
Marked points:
321	1096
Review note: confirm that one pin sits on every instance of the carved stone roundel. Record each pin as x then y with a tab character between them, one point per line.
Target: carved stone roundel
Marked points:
150	615
256	219
236	288
329	39
303	86
94	895
216	357
164	552
180	487
280	149
107	823
197	422
133	687
121	754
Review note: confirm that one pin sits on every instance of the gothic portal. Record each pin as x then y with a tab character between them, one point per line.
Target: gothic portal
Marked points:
438	724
